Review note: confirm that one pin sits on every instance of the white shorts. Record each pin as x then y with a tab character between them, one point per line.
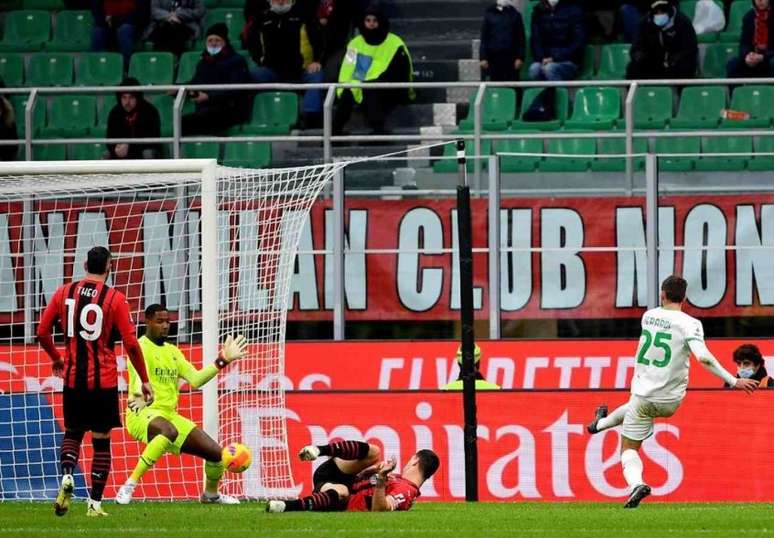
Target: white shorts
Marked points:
640	413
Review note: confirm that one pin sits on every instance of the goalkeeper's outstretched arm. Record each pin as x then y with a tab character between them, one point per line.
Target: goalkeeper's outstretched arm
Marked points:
232	349
710	363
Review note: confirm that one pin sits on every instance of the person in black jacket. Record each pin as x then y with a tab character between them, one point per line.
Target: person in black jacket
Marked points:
217	110
273	37
666	45
756	45
328	29
133	117
558	39
502	41
750	365
631	14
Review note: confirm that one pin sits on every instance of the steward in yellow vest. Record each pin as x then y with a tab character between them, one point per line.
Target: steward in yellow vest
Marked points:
376	55
481	383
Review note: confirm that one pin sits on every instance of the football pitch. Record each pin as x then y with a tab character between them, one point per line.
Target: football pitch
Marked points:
426	519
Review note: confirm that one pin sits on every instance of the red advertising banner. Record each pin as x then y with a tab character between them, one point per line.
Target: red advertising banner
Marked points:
545	271
415	365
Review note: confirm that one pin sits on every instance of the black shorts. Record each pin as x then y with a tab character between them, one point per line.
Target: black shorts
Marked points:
329	472
91	410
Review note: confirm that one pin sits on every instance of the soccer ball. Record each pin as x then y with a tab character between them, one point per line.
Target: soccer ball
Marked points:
237	458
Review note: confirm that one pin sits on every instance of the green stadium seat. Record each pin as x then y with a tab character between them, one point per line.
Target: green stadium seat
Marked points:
26	30
187	66
247	154
585	147
729	144
212	4
50	69
87	152
449	166
50	152
12	69
562	105
274	113
233	4
47	5
72	32
19	102
588	69
685	144
764	144
99	69
153	68
617	146
233	18
756	101
498	110
521	164
201	150
700	107
736	13
652	107
613	61
71	116
595	108
716	56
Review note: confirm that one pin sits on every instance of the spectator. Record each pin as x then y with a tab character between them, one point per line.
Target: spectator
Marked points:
174	23
376	55
601	19
274	42
329	27
750	365
558	39
133	117
117	23
756	49
502	41
666	45
7	127
217	110
632	12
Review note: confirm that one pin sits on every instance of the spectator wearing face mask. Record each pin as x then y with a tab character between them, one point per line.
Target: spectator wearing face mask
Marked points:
756	45
750	365
273	38
666	45
502	41
558	39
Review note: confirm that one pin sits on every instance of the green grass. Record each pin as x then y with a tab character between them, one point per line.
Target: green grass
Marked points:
164	520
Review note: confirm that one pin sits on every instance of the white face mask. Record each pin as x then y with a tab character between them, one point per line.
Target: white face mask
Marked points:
660	19
746	373
212	51
280	9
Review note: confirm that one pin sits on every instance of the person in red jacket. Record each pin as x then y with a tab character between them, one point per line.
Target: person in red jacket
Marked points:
117	25
89	313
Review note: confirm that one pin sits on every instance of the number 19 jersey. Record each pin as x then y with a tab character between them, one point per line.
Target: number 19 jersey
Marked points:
663	355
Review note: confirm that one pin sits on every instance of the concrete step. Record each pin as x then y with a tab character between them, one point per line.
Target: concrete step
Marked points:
437	28
442	8
430	49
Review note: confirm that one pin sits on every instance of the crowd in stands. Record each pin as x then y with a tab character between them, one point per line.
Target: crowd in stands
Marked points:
314	41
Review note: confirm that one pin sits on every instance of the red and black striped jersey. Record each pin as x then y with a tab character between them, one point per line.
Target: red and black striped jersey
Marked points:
92	316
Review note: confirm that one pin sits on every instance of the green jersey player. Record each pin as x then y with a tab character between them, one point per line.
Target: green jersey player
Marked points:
669	336
159	425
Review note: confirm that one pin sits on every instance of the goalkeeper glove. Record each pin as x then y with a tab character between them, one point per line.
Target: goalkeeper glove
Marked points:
136	403
232	349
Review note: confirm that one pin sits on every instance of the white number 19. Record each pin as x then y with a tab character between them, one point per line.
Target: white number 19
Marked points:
89	330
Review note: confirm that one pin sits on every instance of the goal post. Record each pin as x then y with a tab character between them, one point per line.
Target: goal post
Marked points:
215	245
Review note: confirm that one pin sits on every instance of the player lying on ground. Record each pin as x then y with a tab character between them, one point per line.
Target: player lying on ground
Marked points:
355	479
89	312
669	336
159	425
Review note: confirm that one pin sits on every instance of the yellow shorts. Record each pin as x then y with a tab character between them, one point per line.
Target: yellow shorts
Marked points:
137	425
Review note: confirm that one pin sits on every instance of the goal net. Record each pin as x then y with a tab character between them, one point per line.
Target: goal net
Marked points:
215	245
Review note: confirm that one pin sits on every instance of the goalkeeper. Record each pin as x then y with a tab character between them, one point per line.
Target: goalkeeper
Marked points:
159	425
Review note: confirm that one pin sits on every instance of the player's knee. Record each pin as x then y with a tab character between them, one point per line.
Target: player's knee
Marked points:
341	489
374	454
166	429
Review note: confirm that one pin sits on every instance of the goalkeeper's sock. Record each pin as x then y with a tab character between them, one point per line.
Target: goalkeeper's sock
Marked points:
213	471
153	451
632	467
346	450
100	467
613	419
323	501
69	451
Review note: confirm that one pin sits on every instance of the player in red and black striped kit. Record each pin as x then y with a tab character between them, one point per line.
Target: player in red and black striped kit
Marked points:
92	316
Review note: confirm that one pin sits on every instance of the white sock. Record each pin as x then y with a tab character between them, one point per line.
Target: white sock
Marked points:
613	419
130	482
632	467
95	504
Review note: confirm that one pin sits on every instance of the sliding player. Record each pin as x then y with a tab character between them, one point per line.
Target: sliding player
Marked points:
668	338
159	425
355	479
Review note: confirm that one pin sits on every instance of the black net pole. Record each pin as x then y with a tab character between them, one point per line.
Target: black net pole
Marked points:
466	323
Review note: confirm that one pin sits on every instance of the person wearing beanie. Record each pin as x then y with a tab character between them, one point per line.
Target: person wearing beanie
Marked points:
666	45
756	44
274	36
558	39
174	23
376	55
133	117
117	25
502	41
218	110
